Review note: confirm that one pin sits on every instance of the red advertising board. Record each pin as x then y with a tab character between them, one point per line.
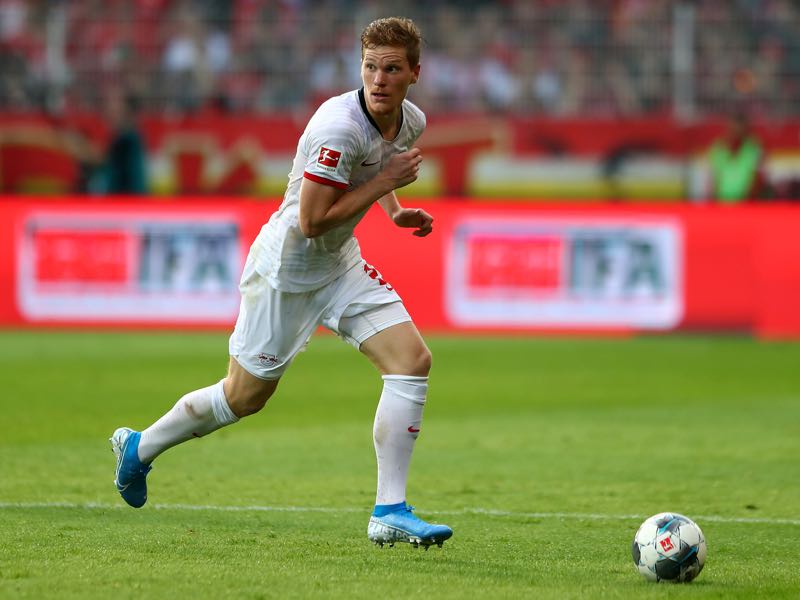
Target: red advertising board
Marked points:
486	268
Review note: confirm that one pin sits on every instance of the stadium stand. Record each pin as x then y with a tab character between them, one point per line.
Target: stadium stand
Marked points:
510	87
555	57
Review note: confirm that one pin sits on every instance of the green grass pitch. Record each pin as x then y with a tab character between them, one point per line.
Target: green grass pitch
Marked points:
543	454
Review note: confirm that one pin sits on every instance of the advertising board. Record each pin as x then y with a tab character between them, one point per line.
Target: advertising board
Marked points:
486	268
540	272
106	266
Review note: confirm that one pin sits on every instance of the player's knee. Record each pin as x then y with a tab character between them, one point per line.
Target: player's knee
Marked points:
421	361
245	402
245	406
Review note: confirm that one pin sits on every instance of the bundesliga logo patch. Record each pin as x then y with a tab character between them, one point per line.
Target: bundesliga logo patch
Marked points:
329	158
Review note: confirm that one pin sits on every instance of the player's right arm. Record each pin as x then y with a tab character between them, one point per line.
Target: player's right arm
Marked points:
323	207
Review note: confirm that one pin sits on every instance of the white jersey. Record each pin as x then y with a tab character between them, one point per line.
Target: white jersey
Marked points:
341	146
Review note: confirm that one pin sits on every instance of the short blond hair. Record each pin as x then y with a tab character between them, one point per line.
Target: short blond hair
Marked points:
399	32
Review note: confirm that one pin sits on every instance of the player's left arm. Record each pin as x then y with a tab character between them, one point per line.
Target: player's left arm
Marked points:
415	218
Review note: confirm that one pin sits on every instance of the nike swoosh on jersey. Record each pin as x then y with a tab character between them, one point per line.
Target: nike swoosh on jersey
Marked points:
366	164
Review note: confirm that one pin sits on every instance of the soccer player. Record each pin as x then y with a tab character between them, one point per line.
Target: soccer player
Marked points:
305	269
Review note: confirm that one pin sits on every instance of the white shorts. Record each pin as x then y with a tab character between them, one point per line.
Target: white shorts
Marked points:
273	326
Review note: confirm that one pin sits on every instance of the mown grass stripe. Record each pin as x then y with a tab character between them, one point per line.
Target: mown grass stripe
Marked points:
322	509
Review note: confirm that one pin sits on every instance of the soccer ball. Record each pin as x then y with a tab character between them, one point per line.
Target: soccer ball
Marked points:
669	547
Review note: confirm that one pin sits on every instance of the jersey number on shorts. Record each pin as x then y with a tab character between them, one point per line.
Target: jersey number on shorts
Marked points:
375	274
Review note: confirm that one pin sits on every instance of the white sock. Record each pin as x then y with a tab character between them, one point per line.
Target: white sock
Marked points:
397	424
197	414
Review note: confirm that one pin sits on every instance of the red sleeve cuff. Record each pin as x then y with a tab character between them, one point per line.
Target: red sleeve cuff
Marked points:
324	181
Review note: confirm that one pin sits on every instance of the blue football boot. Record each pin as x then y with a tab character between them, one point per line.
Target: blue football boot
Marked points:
397	523
131	475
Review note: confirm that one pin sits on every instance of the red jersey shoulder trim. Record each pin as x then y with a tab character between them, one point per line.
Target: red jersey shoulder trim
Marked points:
324	181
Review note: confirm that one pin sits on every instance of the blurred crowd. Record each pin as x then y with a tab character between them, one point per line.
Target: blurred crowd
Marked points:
555	57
